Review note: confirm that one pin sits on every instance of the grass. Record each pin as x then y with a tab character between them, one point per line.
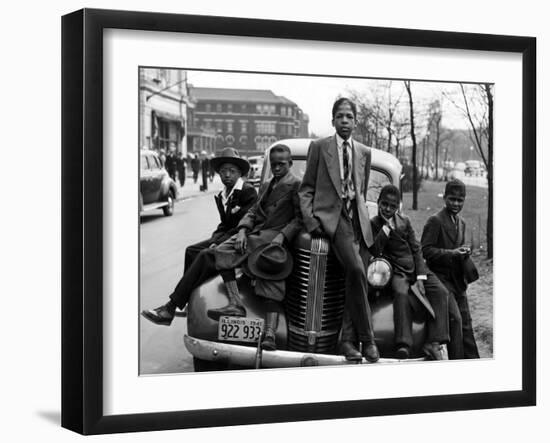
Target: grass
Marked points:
480	293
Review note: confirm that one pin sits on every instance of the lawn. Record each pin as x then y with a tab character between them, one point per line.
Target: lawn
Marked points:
480	293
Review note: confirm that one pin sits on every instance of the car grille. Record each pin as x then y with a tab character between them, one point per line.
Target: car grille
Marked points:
315	299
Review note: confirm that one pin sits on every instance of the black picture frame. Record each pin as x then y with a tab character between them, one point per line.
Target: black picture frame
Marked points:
82	219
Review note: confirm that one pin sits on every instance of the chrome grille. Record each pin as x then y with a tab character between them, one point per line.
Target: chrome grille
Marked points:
315	299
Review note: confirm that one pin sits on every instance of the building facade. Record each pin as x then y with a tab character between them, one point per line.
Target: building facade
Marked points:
247	119
164	104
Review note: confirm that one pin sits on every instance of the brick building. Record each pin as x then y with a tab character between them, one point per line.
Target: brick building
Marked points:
247	119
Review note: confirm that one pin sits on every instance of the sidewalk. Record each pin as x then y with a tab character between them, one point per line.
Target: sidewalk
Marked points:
190	189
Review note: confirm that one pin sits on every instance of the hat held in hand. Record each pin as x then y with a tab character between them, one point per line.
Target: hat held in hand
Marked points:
270	262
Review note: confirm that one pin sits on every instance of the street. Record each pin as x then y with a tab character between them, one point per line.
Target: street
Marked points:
162	249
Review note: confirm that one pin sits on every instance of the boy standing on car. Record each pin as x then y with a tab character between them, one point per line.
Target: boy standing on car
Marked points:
233	202
273	221
448	257
332	199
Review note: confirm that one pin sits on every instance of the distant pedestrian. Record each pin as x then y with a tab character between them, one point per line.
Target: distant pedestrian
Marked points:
205	170
195	166
170	164
181	166
211	168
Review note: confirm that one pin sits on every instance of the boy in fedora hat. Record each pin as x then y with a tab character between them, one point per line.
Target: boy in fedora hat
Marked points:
274	219
443	246
233	202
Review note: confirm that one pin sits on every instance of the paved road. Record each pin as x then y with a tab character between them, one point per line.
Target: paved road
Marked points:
162	243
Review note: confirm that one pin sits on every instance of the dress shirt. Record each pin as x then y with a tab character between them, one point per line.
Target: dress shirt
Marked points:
340	145
225	196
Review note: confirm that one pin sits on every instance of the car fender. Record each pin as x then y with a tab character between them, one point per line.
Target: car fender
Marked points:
212	295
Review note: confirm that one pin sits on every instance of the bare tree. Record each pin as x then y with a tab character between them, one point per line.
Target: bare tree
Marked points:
477	108
413	138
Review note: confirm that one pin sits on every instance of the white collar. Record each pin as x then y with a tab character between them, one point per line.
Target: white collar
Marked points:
238	186
340	141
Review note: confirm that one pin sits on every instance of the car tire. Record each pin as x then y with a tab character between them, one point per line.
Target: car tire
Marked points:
206	366
169	208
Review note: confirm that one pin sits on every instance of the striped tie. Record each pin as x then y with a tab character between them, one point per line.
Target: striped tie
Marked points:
347	201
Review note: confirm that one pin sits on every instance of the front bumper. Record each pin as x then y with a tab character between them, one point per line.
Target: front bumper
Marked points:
249	357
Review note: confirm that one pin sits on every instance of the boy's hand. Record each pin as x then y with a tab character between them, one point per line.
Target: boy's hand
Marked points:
460	252
279	239
420	285
240	241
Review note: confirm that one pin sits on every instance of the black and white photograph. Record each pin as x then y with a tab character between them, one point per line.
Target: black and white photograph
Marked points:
290	220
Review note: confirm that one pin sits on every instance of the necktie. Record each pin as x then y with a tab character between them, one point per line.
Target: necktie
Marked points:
345	156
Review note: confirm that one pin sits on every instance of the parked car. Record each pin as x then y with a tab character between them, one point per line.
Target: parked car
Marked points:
255	173
311	317
458	171
156	189
473	168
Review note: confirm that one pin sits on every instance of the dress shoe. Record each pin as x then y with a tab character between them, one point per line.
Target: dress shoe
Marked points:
402	353
230	310
351	353
162	315
433	350
370	352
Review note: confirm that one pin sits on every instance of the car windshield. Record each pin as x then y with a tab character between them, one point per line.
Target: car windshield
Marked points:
377	180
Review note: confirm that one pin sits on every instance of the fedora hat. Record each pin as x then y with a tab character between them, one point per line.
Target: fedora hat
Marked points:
270	262
230	155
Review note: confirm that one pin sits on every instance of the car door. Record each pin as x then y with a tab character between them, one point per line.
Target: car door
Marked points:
157	174
146	180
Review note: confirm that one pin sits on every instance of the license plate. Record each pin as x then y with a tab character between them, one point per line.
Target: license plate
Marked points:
240	329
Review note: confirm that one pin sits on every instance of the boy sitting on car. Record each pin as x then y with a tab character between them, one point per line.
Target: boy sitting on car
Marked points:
413	286
233	202
262	239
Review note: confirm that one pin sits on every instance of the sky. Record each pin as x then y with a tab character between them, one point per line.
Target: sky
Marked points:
315	95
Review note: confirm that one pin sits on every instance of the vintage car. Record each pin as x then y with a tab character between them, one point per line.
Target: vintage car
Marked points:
255	173
156	189
311	317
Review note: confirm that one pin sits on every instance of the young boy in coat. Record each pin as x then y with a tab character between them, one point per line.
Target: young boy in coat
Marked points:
395	240
443	246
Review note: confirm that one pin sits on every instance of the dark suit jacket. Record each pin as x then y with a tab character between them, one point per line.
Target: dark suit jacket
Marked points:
278	212
439	237
401	248
320	193
237	206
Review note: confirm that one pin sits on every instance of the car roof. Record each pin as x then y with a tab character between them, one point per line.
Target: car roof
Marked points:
299	147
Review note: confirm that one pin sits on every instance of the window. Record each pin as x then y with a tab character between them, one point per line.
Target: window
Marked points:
143	163
229	107
219	126
219	107
230	140
230	126
243	140
243	109
208	107
244	127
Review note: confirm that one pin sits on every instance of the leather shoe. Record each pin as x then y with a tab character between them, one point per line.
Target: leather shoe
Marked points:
160	316
402	353
230	310
433	350
370	352
351	353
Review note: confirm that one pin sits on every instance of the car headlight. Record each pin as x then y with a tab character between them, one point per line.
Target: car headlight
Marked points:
379	273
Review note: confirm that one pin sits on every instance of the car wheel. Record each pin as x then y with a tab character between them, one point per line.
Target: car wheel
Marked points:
205	365
169	208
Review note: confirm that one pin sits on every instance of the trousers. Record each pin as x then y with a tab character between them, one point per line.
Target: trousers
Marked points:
347	245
